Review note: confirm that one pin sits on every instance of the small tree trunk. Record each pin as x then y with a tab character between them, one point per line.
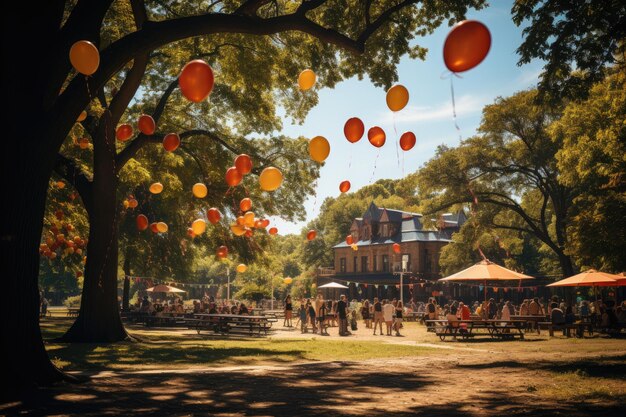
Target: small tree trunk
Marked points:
99	318
126	292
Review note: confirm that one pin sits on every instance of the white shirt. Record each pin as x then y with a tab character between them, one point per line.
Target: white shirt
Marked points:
388	310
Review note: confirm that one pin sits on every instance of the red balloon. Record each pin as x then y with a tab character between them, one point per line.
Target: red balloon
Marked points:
265	223
153	227
273	231
243	164
311	235
142	222
349	240
171	142
344	187
214	215
245	204
233	176
376	136
248	233
222	252
354	129
124	132
196	80
466	45
146	124
396	247
407	141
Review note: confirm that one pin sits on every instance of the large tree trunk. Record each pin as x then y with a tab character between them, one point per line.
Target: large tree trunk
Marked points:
126	290
99	318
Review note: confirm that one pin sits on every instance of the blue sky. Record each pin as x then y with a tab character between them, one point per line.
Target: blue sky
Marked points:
428	114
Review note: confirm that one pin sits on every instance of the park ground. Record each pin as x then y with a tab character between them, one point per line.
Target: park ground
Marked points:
178	372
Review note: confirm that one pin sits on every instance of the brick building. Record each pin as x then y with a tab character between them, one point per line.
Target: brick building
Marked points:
373	269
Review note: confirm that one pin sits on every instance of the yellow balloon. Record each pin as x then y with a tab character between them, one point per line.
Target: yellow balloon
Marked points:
288	280
82	116
397	97
156	188
84	57
238	230
248	219
199	190
241	268
198	226
306	79
270	179
319	148
162	227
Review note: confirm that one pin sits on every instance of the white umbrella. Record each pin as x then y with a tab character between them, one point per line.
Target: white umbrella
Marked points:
332	285
165	288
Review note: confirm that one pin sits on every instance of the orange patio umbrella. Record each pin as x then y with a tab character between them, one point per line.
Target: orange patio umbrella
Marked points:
591	278
484	271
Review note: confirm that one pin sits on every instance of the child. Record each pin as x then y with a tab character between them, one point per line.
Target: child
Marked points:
302	314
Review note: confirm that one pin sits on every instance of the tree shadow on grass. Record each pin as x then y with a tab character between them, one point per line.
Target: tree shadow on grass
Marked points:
328	389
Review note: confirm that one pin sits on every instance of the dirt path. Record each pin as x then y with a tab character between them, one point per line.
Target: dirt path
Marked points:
424	386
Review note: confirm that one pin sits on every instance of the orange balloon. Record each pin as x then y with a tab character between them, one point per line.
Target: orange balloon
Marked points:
84	57
273	231
124	132
222	252
82	116
319	148
240	220
407	141
132	203
245	204
344	187
311	235
243	164
153	227
397	97
146	124
237	229
376	136
162	227
265	223
142	222
270	179
233	177
214	215
466	45
306	79
354	129
396	247
196	80
349	240
199	190
171	142
248	219
156	188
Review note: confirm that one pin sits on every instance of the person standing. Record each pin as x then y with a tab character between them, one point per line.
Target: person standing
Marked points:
312	315
388	311
342	315
303	314
399	315
321	316
378	315
288	312
365	313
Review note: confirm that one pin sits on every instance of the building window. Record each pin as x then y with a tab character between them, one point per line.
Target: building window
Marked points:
363	263
355	265
384	230
342	265
406	261
427	261
375	264
385	263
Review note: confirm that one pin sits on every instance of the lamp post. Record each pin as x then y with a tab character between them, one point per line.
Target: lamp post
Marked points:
228	286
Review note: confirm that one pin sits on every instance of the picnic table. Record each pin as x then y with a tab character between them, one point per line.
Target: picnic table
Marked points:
415	315
531	321
231	323
496	329
72	311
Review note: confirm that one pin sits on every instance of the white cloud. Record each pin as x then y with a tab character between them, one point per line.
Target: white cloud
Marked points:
529	77
465	105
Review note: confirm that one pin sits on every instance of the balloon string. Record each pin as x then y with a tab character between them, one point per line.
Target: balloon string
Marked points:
456	125
395	130
375	163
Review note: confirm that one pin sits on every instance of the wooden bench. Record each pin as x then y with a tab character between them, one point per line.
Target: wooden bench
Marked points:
72	312
565	326
231	324
496	329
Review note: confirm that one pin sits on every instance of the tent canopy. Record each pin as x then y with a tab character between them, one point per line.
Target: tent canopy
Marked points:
591	278
165	288
332	285
486	270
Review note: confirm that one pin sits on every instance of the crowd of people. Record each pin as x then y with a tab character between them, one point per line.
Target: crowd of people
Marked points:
206	304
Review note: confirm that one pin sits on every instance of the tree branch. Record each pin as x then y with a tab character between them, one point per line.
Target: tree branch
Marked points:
68	169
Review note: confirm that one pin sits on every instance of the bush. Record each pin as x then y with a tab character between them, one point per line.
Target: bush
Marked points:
73	301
